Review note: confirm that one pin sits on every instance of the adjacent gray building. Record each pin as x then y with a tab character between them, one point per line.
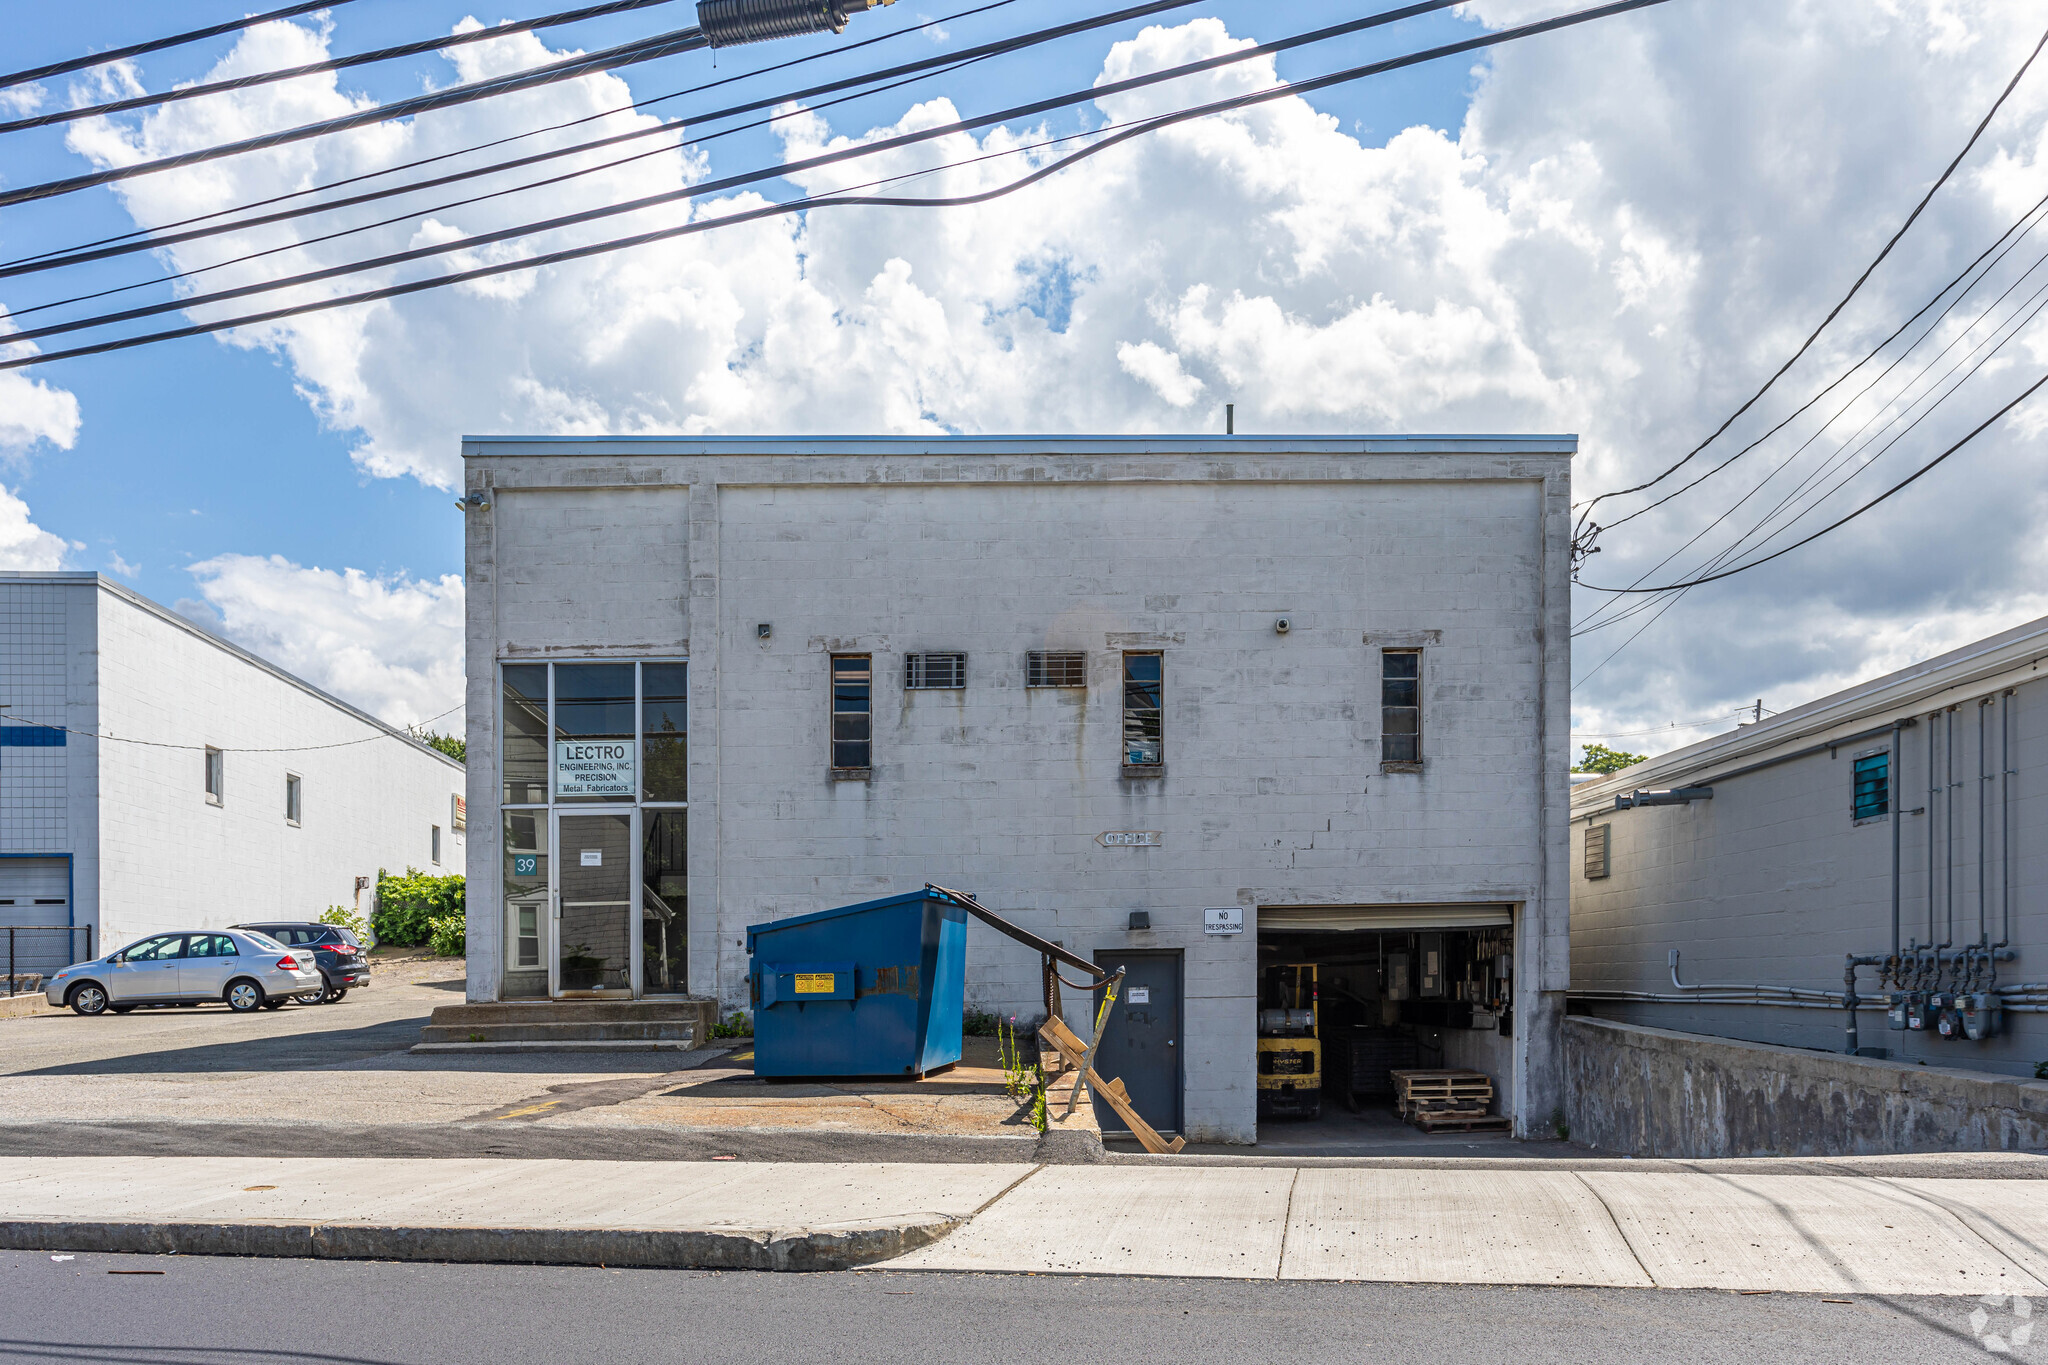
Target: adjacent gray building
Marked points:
1904	812
1186	705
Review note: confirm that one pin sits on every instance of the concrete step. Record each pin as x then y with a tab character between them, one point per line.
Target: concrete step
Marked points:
682	1031
699	1011
561	1045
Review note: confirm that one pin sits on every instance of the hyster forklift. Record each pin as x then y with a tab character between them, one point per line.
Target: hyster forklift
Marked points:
1290	1042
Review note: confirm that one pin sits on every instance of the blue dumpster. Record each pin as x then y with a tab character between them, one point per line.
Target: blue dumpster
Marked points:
873	989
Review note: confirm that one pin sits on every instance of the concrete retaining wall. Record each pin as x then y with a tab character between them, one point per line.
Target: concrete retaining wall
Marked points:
1656	1092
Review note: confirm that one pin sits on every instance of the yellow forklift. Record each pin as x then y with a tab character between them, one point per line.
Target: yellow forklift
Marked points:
1290	1042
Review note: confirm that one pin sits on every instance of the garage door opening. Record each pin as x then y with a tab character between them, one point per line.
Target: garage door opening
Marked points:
1348	996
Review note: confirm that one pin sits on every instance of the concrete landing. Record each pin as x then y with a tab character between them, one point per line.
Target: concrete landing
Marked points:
673	1024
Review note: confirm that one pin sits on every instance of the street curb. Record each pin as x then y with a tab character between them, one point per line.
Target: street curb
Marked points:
737	1249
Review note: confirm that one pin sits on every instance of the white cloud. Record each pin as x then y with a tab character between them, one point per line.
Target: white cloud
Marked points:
122	566
1639	219
23	544
32	410
22	100
390	645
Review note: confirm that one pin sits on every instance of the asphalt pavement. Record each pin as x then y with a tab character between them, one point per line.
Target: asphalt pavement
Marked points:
202	1310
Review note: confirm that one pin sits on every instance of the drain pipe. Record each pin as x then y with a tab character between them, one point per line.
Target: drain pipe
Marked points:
1948	851
1932	792
1983	824
1898	819
2005	818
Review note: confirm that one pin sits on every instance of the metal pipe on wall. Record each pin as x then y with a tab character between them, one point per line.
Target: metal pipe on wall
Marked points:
2005	818
1892	789
1983	825
1932	792
1948	843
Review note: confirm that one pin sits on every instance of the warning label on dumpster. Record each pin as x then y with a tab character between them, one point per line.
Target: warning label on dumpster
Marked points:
815	983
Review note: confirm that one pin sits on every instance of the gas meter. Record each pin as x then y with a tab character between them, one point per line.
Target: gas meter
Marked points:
1980	1015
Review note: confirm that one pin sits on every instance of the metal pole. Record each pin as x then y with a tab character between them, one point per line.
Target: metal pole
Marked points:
10	960
1932	790
2005	819
1948	848
1983	824
1892	789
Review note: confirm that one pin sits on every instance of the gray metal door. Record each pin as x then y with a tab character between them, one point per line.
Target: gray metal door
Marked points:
1141	1045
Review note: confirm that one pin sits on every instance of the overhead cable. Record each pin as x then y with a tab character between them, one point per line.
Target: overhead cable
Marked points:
144	232
925	65
1839	522
626	54
1804	346
787	169
65	68
1253	99
385	54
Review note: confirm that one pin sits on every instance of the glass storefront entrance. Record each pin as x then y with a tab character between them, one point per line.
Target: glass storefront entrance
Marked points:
595	850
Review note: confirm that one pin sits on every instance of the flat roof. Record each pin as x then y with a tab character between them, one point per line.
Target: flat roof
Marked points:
1421	444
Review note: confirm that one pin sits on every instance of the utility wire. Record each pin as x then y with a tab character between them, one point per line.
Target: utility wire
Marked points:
385	54
626	54
1911	218
293	749
785	170
65	68
928	65
1839	522
68	257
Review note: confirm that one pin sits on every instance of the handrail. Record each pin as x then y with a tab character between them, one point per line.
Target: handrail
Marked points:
1023	936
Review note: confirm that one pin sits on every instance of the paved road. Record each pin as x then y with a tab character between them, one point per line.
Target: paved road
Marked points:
200	1311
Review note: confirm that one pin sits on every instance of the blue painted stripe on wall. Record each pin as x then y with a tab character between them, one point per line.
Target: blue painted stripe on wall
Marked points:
30	737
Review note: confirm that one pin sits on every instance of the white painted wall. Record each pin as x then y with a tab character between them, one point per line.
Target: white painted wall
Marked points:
1773	881
151	852
1273	793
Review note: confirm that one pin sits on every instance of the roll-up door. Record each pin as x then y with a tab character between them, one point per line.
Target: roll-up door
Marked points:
36	892
1322	919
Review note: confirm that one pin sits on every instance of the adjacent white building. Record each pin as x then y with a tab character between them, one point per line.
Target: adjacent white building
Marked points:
154	776
1134	693
1906	811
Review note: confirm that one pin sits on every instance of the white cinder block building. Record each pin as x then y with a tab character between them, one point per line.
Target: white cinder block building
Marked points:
1110	686
154	776
1903	812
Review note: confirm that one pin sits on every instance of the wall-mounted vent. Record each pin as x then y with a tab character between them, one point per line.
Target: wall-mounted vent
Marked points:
924	672
1596	852
1056	668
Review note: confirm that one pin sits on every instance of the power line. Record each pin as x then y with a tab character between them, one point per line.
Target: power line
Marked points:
1279	91
291	749
790	168
1911	218
65	68
626	54
924	66
386	54
69	258
1974	432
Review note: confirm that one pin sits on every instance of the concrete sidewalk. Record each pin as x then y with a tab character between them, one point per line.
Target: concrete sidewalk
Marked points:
1483	1225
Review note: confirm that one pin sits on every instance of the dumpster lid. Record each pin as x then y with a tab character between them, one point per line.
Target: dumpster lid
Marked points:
816	916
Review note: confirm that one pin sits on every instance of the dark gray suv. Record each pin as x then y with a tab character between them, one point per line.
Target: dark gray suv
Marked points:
343	962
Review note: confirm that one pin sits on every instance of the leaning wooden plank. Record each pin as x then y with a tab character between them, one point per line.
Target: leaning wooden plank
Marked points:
1148	1137
1063	1041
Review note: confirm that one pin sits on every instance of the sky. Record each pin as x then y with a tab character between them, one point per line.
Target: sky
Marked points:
1619	230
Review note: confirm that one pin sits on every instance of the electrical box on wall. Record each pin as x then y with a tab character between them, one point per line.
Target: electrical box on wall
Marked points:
1430	985
1397	986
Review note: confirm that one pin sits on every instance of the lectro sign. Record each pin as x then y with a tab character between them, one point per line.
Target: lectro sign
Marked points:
596	767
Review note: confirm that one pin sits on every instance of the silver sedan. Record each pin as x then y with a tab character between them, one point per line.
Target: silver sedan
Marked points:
246	970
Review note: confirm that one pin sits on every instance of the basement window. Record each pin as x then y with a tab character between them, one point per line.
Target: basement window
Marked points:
934	672
853	747
1872	794
1056	668
1144	712
1401	707
1596	852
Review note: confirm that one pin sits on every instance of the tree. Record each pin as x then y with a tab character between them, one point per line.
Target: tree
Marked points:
454	746
1601	759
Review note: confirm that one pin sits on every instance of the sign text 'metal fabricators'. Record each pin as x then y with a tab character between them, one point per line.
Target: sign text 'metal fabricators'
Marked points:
596	767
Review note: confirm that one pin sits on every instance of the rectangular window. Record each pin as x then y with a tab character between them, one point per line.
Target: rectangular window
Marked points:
1400	706
926	672
1873	786
1144	713
291	798
1596	852
594	703
216	776
852	711
436	850
526	894
664	732
1056	668
526	937
525	723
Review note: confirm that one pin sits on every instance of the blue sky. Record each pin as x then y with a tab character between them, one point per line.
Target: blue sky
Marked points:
193	449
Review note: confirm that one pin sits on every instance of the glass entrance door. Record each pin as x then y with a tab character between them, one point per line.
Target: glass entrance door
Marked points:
594	920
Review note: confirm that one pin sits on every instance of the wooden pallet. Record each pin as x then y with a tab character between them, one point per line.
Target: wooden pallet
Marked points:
1461	1123
1058	1035
1412	1088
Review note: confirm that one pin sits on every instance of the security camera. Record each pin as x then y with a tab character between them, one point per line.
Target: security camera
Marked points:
1282	626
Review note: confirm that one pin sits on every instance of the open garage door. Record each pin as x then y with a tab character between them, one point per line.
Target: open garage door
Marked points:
1350	994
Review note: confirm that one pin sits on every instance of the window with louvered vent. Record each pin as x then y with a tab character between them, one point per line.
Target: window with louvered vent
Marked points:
1056	668
1596	852
925	672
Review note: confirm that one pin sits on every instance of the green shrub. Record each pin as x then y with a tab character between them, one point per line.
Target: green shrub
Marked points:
448	938
407	906
976	1023
737	1026
342	918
